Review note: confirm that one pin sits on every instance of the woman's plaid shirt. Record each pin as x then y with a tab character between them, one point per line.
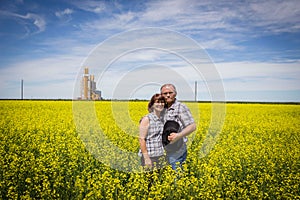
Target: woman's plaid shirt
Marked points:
154	134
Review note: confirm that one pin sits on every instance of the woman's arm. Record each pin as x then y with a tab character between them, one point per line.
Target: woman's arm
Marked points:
144	125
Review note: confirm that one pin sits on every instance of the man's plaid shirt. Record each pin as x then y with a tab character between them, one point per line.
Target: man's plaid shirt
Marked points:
181	113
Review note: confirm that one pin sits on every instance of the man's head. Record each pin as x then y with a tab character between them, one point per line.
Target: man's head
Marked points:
169	92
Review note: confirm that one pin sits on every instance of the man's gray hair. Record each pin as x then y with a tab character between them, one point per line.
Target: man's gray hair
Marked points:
169	85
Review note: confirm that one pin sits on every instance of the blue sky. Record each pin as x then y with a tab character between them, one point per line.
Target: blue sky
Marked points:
253	45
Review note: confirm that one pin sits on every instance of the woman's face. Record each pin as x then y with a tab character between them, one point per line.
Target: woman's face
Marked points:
158	105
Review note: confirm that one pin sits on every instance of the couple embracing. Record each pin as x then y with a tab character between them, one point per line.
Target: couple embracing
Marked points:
164	129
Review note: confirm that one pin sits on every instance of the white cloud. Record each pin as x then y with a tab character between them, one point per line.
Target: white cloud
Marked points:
218	25
43	78
30	19
91	6
63	13
156	10
276	11
241	76
219	44
124	85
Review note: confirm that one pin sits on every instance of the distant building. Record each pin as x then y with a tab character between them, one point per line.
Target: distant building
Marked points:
88	87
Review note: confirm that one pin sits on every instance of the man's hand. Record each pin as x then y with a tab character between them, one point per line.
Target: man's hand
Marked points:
173	137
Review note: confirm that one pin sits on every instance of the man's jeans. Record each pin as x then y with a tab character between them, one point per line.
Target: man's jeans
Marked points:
176	159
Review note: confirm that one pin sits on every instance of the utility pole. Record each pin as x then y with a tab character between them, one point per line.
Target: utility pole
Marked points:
22	89
195	91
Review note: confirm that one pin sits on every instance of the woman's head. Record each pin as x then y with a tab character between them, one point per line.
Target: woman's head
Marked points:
158	99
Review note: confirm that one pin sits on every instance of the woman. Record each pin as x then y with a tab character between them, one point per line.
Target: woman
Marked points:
151	127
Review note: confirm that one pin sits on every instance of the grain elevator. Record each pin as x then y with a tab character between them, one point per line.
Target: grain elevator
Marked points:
88	87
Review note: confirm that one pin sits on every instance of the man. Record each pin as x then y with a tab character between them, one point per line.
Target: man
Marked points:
179	112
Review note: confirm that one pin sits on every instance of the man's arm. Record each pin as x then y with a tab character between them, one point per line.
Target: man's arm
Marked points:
184	132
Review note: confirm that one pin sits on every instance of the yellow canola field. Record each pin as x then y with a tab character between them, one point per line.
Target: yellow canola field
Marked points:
45	153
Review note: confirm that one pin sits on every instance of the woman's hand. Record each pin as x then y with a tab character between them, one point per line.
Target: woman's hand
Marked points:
148	161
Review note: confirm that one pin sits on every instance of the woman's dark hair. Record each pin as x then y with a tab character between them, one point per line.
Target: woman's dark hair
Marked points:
154	98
